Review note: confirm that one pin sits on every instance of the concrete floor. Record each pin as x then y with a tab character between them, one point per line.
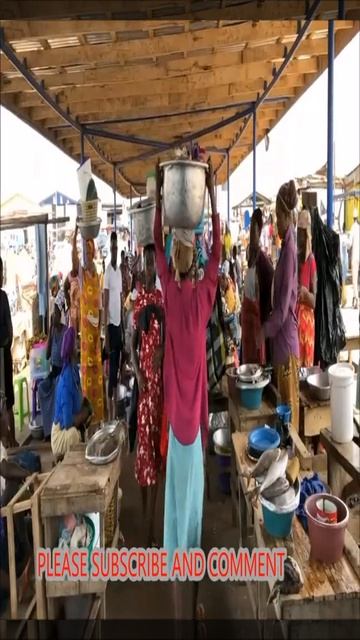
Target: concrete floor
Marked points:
153	601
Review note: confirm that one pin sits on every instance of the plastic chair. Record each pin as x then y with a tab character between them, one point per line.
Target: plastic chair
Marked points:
21	411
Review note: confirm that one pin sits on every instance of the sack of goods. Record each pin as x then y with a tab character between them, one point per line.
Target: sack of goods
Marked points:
143	215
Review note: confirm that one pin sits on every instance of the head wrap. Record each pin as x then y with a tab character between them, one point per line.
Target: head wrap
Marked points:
68	345
182	251
304	222
287	198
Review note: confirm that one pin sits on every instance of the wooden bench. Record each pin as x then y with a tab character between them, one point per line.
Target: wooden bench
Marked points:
329	591
314	414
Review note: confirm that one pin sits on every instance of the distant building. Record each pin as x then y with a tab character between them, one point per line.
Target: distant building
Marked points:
59	205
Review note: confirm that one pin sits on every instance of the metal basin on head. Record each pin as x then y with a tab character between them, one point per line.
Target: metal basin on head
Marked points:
183	193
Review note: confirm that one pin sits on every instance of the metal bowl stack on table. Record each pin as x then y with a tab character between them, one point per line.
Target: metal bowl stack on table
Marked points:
319	385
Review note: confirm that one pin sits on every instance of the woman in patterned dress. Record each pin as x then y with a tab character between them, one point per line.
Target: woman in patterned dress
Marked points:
307	290
90	323
147	349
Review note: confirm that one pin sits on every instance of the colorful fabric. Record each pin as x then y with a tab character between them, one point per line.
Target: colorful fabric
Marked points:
68	345
250	330
150	405
187	311
68	396
91	367
184	495
63	439
306	317
282	326
287	377
56	346
74	314
215	344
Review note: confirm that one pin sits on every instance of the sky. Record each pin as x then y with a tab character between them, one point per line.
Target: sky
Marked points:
33	166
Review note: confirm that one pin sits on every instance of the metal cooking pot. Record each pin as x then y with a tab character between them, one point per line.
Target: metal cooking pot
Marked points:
250	372
319	386
144	218
183	193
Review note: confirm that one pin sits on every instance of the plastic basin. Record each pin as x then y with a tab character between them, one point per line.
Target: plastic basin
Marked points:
278	520
326	540
263	438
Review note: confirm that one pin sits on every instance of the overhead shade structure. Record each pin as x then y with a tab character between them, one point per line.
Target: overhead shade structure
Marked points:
127	92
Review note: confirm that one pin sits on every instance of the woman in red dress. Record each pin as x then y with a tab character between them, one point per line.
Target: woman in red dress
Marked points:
147	355
307	290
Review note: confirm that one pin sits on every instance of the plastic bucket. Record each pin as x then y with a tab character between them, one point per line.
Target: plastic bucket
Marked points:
251	398
278	520
283	412
341	377
326	540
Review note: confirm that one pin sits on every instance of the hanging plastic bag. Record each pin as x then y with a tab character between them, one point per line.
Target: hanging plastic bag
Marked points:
329	325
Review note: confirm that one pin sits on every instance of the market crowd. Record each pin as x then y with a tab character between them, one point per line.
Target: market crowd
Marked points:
144	328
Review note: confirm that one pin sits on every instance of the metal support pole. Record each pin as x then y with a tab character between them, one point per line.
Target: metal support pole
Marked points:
82	152
254	159
228	185
341	12
330	131
114	190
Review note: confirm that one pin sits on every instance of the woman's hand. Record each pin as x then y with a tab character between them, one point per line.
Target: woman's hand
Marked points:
159	183
158	357
303	293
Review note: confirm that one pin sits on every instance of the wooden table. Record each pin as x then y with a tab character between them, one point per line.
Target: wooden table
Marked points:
344	457
314	414
329	591
77	486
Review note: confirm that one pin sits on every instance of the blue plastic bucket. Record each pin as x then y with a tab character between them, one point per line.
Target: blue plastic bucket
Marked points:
277	525
251	398
283	412
278	520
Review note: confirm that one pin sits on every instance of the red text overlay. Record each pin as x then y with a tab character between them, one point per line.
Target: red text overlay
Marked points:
139	564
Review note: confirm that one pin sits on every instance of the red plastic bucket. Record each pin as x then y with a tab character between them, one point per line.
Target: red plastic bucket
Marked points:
326	540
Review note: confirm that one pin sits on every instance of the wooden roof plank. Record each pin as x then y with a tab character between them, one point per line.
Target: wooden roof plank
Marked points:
122	9
119	52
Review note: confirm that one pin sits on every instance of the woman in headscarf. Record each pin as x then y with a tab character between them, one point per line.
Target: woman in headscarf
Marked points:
307	290
147	350
282	326
71	412
256	305
90	324
188	305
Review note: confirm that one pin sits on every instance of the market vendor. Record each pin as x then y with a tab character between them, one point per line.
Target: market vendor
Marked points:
147	349
72	413
188	306
72	287
307	290
56	334
282	326
6	364
256	304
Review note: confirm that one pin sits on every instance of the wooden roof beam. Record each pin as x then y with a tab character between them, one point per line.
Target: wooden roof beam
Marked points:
186	84
121	52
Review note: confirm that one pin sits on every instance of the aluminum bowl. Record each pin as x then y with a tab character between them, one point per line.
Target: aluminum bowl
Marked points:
250	372
144	218
222	441
184	193
109	429
305	372
89	231
319	385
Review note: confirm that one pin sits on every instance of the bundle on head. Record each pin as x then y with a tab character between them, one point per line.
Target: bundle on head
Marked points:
286	198
183	252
